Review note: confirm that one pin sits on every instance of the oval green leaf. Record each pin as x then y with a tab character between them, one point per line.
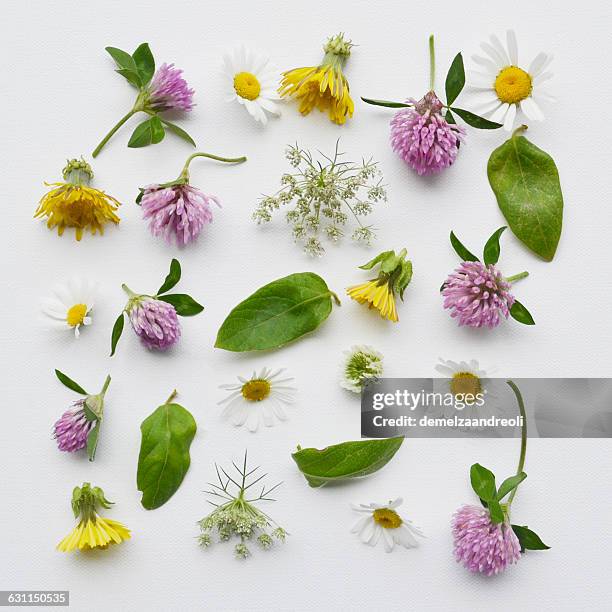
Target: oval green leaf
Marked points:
475	120
346	460
164	453
276	314
116	333
461	250
510	484
528	539
455	79
525	182
122	58
184	304
483	482
491	249
172	278
145	64
68	382
150	131
519	313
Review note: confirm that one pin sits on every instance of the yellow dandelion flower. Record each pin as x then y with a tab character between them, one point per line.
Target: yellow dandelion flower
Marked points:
73	203
394	276
325	86
92	530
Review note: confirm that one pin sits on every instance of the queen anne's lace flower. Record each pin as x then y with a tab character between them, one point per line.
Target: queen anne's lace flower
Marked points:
360	364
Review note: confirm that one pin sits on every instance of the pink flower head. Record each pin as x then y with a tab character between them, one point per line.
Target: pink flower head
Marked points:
155	322
481	545
169	90
72	429
423	138
178	212
476	295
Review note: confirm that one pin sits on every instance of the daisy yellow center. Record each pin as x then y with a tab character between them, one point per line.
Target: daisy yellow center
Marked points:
76	314
465	383
256	390
512	85
247	86
387	518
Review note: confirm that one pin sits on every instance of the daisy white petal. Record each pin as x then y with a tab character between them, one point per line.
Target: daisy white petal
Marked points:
512	47
531	109
71	303
510	116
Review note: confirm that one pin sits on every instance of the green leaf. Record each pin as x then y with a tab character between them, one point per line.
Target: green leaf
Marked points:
173	277
123	59
346	460
491	249
455	79
521	314
145	64
276	314
483	482
92	440
386	103
180	132
525	182
184	304
117	331
496	512
450	118
510	484
528	539
150	131
139	196
68	382
131	76
463	253
164	453
475	120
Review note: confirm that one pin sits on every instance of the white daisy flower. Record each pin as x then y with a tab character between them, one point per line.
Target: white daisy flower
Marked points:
383	520
71	304
361	362
467	378
504	88
258	398
252	82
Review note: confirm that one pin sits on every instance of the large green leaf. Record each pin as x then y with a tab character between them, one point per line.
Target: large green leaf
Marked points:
164	453
345	460
526	184
277	313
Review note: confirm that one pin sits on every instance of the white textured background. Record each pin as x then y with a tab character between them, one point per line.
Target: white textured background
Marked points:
60	95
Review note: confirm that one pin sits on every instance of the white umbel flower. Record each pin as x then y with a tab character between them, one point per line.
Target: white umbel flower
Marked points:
251	81
259	398
360	363
383	522
71	304
503	88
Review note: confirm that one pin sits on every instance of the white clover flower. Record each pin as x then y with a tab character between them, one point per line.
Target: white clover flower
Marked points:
382	521
360	363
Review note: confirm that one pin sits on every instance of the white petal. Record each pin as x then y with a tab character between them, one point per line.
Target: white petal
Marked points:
375	536
499	115
240	414
368	530
77	333
490	67
406	538
388	540
512	47
252	422
266	413
360	524
496	56
510	116
539	63
531	109
500	49
542	78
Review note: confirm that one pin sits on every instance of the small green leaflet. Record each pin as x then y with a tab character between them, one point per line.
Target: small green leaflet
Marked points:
463	253
475	120
483	482
455	79
173	277
150	131
346	460
277	313
68	382
510	484
529	540
145	64
184	304
387	103
491	249
519	313
137	68
117	331
164	453
180	132
525	182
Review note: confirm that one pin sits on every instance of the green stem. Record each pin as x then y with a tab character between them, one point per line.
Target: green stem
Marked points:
112	132
432	63
105	386
130	293
229	160
171	397
515	277
521	463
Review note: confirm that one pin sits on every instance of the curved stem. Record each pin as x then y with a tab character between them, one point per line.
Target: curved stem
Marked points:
515	277
112	132
171	397
229	160
521	463
105	386
432	63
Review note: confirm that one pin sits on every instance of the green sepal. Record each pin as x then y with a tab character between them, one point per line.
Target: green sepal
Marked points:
387	103
519	313
172	278
71	384
491	249
455	79
528	539
184	304
463	253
